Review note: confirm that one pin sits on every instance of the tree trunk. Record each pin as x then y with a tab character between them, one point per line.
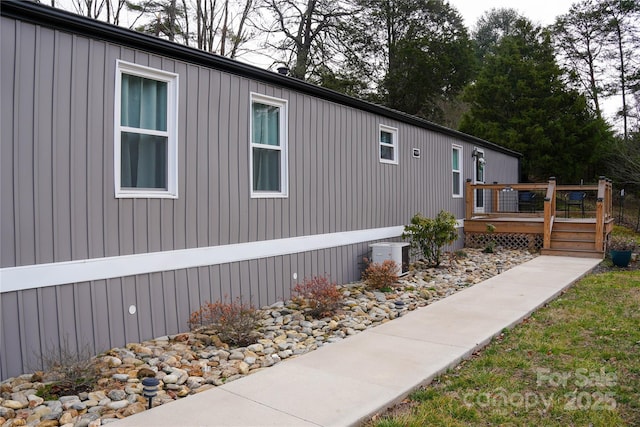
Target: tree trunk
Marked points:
185	34
225	28
172	21
239	37
623	83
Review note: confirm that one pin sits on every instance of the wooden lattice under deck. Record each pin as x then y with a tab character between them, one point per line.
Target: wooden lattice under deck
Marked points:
530	241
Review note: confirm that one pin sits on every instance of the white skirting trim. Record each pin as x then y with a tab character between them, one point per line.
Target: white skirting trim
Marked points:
58	273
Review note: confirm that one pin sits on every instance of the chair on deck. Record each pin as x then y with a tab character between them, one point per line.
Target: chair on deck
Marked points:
575	198
526	201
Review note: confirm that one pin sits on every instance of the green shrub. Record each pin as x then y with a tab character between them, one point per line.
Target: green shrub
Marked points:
319	295
489	247
381	276
428	236
235	322
490	244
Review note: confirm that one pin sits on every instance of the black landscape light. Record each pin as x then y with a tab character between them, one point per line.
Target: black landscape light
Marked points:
150	389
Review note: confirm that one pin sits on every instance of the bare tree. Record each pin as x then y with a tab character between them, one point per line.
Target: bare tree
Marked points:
240	36
89	8
162	18
221	25
580	36
306	32
114	9
622	17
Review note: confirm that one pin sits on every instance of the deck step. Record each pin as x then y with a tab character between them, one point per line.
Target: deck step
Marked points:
572	244
574	253
574	226
573	235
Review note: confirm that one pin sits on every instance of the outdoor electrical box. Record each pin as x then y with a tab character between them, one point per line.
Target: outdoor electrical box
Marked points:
395	251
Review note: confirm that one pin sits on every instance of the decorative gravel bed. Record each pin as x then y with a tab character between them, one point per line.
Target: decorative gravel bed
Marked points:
191	363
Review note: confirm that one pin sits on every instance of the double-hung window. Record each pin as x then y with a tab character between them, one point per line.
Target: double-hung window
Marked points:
456	170
388	144
268	151
146	148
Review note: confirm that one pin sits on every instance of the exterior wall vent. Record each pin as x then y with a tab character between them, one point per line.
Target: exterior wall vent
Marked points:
395	251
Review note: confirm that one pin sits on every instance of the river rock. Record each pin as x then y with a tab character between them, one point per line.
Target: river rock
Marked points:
117	395
134	408
190	363
14	404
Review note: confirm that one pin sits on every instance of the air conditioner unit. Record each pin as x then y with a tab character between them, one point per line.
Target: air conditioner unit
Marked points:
395	251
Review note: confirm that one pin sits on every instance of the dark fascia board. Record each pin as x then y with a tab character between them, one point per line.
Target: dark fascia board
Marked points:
66	21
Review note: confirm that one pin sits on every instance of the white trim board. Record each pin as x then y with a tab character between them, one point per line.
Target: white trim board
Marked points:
59	273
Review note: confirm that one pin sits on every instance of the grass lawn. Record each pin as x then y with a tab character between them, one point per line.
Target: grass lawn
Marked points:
573	363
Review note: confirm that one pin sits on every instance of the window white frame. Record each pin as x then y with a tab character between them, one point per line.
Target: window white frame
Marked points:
479	178
393	145
456	148
283	105
171	133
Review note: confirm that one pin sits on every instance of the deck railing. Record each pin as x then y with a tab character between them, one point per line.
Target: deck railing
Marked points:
542	200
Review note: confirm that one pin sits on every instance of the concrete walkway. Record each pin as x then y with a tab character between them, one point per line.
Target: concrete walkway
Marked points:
346	382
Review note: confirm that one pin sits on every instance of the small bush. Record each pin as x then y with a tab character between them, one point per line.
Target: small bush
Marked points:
490	244
460	254
381	276
75	370
235	322
428	236
318	294
489	247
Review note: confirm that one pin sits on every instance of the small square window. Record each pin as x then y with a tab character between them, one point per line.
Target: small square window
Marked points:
145	149
388	144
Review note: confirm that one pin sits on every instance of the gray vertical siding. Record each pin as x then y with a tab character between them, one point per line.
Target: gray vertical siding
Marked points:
59	143
58	204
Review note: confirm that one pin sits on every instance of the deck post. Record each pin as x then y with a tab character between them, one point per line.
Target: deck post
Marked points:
494	198
468	199
549	212
603	191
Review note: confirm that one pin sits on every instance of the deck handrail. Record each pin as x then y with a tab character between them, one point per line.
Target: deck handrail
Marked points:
603	210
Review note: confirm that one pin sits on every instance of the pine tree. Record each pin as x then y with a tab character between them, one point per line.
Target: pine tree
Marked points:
521	101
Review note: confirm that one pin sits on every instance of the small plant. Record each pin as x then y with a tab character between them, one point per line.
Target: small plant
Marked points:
490	244
381	276
489	247
319	295
460	254
457	256
235	322
622	243
428	236
75	370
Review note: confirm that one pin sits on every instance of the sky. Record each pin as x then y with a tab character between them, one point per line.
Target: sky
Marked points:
541	12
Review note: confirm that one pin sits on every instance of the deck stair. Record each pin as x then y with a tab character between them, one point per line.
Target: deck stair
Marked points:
574	238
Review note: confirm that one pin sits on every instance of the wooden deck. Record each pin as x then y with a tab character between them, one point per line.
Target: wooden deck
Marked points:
555	227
